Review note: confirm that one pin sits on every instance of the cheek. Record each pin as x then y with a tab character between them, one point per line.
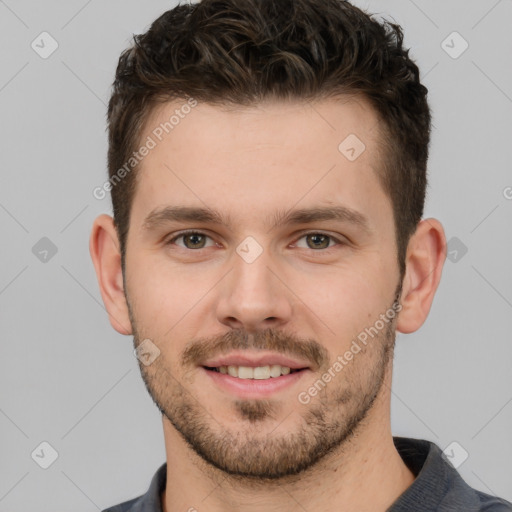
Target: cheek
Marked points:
343	300
163	293
152	294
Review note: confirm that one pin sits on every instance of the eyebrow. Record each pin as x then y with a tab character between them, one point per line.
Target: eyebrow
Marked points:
281	218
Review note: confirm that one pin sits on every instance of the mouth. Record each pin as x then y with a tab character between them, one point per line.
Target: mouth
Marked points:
256	373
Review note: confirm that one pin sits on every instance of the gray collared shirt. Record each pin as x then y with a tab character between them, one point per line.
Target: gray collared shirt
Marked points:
438	486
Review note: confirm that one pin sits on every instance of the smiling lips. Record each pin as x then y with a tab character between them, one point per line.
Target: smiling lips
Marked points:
254	375
258	362
257	372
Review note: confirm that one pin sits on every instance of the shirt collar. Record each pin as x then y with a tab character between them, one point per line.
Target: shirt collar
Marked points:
438	485
436	482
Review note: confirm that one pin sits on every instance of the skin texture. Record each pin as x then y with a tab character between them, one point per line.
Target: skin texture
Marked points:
306	295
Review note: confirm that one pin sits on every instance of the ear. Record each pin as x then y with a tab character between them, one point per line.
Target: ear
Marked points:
106	256
426	254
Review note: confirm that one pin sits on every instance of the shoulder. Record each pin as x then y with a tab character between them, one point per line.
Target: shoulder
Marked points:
438	485
490	503
149	502
123	507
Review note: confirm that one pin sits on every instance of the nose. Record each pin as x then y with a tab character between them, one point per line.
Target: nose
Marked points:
254	296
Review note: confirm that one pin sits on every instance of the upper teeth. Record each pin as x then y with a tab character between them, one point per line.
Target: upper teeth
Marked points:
259	372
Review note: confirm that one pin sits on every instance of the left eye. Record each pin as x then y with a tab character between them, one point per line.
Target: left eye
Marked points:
317	241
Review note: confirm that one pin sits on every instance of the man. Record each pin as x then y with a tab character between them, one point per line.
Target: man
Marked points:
267	166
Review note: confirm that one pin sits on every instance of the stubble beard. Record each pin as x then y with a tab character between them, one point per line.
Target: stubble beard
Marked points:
257	452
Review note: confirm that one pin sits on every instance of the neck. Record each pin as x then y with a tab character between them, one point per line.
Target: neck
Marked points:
366	473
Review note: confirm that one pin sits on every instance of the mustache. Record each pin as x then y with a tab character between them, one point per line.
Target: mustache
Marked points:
268	339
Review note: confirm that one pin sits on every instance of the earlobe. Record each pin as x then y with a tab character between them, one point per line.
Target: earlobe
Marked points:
106	257
426	253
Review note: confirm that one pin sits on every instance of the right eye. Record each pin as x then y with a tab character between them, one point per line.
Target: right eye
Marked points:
191	240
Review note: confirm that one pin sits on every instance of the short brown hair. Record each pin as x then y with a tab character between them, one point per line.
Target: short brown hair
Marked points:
243	52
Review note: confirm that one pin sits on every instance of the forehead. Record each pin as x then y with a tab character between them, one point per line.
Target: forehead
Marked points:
264	121
274	153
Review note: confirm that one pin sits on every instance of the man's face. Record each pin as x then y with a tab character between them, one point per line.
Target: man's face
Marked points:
258	287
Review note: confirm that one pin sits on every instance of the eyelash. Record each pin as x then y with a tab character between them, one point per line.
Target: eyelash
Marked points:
193	232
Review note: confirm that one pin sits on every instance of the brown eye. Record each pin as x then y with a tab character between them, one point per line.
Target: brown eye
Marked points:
318	241
194	240
191	240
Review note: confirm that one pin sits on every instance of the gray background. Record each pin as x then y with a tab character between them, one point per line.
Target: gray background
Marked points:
67	378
